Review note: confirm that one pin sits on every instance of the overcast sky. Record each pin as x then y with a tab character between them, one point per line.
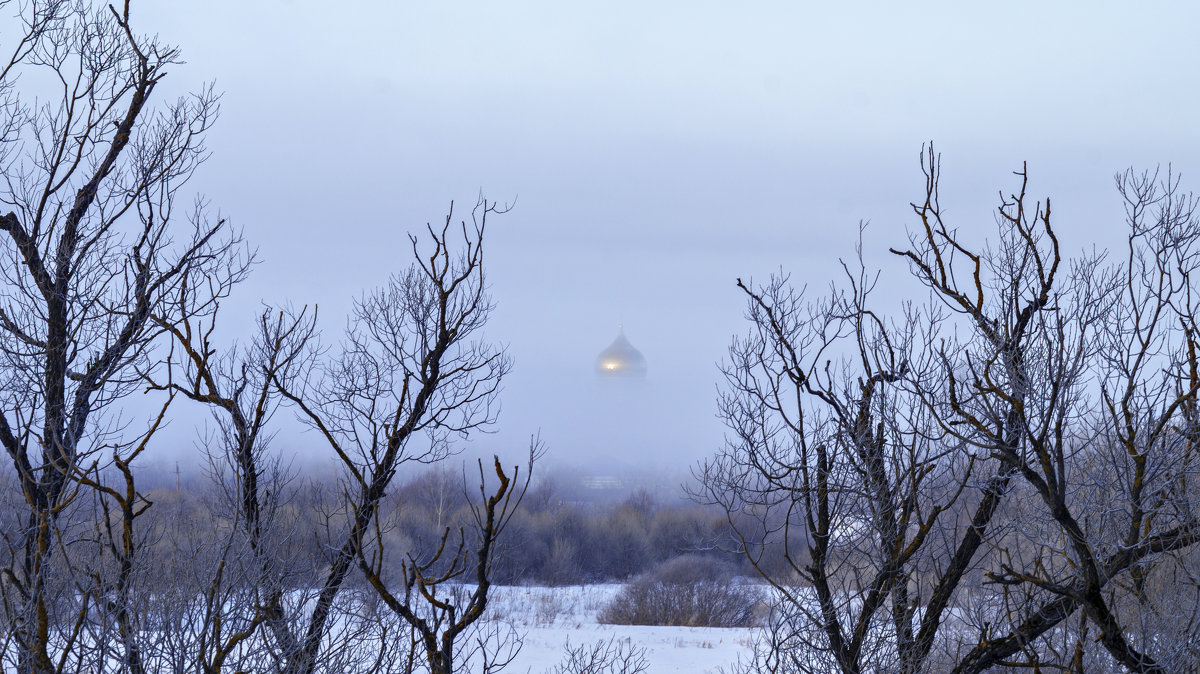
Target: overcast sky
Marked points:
656	151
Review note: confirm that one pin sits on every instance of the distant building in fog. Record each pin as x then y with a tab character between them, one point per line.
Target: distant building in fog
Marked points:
620	359
602	482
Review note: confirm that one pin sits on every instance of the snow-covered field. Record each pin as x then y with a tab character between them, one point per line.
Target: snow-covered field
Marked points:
549	617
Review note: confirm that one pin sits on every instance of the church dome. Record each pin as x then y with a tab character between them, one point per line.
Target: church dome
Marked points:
620	358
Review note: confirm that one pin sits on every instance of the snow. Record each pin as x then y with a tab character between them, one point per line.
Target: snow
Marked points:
549	617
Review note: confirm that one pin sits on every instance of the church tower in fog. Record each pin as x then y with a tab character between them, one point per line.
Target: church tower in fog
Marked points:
621	359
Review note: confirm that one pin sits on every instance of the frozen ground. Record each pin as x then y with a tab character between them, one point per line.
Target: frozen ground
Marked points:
549	617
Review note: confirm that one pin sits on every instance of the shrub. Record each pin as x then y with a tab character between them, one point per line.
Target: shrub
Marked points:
689	591
603	657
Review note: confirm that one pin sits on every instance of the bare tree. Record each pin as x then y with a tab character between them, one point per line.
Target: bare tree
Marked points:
614	656
243	588
430	596
412	374
990	479
406	368
91	250
105	292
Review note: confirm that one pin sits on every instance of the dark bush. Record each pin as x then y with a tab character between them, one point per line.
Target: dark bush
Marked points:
689	591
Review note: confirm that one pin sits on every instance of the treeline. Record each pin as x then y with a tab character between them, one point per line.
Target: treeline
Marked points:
556	540
556	537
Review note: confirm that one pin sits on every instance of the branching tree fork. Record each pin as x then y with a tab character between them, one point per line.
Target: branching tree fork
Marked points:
411	369
110	286
439	612
91	248
991	478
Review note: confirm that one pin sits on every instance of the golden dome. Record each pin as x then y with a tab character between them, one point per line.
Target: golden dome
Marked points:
620	358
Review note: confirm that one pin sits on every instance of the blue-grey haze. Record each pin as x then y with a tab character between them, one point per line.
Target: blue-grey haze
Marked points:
656	151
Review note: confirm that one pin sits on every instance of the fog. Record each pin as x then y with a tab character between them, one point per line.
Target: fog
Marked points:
652	156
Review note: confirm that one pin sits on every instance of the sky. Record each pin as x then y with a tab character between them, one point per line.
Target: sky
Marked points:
654	152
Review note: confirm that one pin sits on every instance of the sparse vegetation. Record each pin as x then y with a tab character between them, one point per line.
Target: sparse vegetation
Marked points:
614	656
1002	476
110	285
